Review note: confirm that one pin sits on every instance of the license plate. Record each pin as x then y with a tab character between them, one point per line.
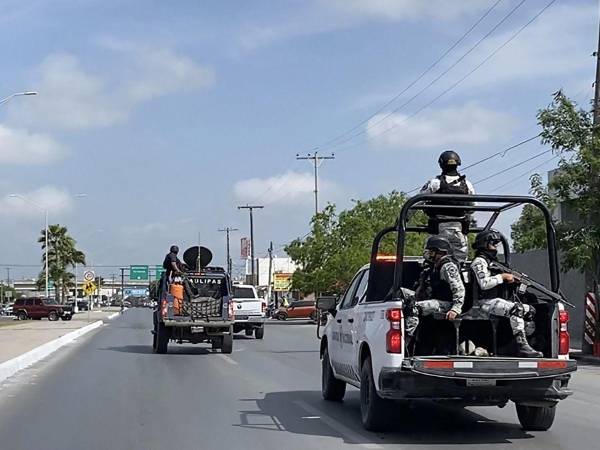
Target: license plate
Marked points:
197	329
477	382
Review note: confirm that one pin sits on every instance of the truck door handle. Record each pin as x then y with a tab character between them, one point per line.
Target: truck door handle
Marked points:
351	320
338	320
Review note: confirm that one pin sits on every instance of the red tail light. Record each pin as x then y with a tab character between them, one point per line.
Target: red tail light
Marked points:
393	338
264	307
564	339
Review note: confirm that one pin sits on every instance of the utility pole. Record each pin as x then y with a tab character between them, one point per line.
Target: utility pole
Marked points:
270	272
122	286
228	230
596	110
112	290
315	158
250	209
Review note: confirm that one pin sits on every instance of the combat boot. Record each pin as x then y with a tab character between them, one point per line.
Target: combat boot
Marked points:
524	349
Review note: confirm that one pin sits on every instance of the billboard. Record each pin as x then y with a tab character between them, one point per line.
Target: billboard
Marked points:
245	247
282	282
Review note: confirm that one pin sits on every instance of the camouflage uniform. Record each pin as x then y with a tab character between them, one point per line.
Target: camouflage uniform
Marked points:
445	283
448	228
519	315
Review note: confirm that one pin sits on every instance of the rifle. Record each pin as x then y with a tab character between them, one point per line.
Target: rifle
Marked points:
526	281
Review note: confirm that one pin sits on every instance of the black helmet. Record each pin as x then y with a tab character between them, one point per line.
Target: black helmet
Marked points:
439	244
449	160
174	249
487	237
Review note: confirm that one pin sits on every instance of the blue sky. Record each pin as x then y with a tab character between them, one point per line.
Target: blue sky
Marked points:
170	114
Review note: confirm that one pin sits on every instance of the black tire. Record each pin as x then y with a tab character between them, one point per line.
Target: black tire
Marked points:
375	411
259	333
281	316
66	318
53	316
332	389
162	338
22	315
248	331
216	343
536	418
227	346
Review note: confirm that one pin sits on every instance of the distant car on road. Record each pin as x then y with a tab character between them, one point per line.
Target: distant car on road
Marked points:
6	310
299	309
38	308
249	311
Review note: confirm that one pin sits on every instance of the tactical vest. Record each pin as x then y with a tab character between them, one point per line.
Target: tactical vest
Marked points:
497	291
437	216
440	289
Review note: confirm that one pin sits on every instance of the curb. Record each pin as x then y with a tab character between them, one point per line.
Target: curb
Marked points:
12	366
112	316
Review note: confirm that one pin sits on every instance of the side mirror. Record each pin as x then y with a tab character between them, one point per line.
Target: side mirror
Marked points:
326	303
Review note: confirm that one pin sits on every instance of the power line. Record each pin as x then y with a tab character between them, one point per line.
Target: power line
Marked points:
460	80
512	167
512	180
436	79
416	80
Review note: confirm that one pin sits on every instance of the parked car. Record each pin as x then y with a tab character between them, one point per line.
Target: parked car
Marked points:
38	308
299	309
6	310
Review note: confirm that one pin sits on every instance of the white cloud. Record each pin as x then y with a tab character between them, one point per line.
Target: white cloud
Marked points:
469	124
398	10
71	97
296	186
56	200
20	147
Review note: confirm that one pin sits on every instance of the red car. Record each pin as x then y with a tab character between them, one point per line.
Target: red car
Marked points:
37	308
300	309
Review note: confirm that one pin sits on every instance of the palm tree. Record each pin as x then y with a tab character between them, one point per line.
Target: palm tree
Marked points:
62	254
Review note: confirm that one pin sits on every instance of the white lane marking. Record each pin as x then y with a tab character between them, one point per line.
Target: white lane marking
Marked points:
346	432
228	359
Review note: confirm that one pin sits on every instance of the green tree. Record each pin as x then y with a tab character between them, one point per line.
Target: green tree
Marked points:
62	255
570	132
339	244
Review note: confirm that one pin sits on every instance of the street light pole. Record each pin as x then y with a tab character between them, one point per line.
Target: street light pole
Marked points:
250	209
47	245
16	94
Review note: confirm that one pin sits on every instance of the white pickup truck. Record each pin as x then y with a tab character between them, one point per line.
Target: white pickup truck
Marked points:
363	342
249	311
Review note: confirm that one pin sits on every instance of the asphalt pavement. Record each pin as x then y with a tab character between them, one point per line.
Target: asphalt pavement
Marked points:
109	391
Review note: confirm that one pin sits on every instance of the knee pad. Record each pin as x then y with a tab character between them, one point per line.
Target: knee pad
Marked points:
529	313
518	310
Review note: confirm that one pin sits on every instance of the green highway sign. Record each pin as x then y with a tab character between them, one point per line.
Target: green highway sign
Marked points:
158	270
138	273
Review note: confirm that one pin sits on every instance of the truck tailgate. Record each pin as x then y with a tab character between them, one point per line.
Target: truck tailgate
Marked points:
466	367
245	307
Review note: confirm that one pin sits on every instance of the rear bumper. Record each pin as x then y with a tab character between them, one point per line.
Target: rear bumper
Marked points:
253	320
476	387
184	322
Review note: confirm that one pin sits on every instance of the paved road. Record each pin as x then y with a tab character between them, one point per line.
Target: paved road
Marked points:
108	391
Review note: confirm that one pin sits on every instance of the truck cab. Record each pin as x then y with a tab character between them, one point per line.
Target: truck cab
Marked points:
364	343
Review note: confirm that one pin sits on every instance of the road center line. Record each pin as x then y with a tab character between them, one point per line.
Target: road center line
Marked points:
346	432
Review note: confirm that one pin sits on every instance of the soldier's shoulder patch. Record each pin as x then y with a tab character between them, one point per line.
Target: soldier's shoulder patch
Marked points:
451	269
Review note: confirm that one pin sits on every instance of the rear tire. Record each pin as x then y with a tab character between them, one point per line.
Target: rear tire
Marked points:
53	316
332	389
375	411
281	316
259	333
216	343
227	346
536	418
22	315
162	338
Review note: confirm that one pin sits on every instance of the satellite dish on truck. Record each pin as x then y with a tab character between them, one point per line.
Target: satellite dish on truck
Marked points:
190	257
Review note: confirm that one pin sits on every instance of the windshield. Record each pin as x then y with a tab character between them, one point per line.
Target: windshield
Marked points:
241	293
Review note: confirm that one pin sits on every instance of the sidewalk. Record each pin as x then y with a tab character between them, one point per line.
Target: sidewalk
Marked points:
19	337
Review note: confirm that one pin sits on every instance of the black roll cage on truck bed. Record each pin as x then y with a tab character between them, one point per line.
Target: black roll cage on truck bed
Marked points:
496	204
